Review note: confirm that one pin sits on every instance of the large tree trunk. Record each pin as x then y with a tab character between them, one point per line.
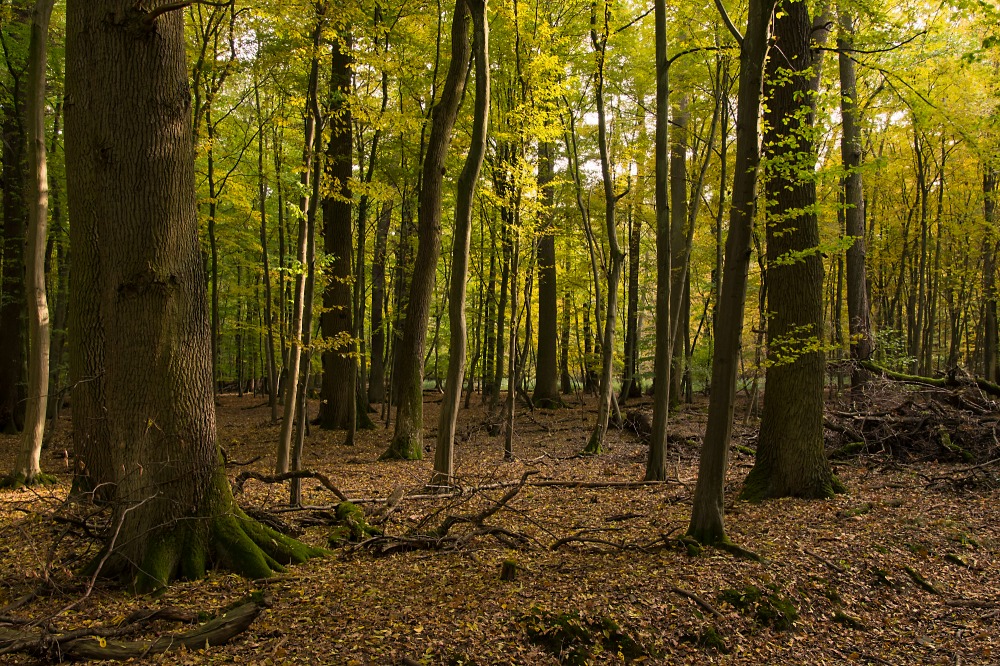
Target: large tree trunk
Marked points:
26	467
444	464
790	457
130	172
337	395
546	393
707	524
407	440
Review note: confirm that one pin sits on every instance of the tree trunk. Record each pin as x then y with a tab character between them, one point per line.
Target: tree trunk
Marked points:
707	524
790	457
337	395
680	254
991	364
858	318
130	172
546	393
444	464
376	375
407	440
26	467
272	370
656	462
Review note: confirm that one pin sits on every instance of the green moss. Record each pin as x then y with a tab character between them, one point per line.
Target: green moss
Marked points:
849	450
17	481
404	447
851	621
352	526
595	445
745	450
573	638
708	638
855	511
766	607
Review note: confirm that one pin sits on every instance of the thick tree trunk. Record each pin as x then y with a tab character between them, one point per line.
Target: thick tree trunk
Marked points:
337	395
444	453
546	393
790	457
131	185
407	440
26	467
707	524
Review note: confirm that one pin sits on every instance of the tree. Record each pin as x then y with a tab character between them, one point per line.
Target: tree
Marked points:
707	523
444	466
407	440
858	320
26	467
337	396
546	393
139	292
790	457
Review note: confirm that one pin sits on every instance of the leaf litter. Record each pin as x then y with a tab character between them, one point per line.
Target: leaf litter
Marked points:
581	564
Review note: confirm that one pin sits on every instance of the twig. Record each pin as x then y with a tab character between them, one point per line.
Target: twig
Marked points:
835	567
278	478
695	598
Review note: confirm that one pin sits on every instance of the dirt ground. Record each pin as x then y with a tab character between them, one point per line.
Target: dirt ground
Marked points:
599	574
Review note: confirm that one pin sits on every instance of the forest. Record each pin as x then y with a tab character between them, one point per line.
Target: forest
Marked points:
408	332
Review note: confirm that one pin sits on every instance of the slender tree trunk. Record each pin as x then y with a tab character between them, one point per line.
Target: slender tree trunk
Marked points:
444	464
272	371
678	222
858	317
26	468
707	523
595	444
376	375
407	440
991	364
656	462
308	210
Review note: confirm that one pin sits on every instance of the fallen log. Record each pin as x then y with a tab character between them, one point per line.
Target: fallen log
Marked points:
951	381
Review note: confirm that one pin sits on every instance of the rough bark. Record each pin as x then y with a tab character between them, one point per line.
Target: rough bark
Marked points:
707	523
407	440
790	458
546	393
444	463
130	172
337	394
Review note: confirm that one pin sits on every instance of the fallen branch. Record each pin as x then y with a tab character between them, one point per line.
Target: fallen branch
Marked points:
939	382
695	598
921	581
243	477
828	563
91	643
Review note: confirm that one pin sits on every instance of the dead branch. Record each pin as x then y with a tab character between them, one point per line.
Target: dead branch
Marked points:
91	643
695	598
243	477
828	563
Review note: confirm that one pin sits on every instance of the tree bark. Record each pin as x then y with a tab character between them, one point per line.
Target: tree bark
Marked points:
790	458
444	463
707	524
407	440
546	393
340	362
26	468
130	173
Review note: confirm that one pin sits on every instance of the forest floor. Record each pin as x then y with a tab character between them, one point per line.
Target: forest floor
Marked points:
903	569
